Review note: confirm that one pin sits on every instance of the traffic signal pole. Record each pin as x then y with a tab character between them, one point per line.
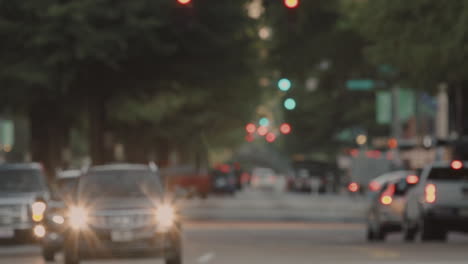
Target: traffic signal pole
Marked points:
396	124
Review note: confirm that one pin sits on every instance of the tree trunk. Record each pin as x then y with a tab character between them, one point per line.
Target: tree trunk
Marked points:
100	147
48	136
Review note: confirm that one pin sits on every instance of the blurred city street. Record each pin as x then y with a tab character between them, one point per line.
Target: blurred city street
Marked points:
275	227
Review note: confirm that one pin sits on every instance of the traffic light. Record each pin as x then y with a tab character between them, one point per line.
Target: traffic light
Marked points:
284	84
184	2
270	137
285	128
291	3
264	121
250	128
290	104
262	131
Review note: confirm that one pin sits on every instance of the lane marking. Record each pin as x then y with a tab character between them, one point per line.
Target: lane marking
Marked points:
206	258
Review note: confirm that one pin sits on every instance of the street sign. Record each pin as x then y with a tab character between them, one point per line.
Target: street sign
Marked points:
7	133
360	85
383	107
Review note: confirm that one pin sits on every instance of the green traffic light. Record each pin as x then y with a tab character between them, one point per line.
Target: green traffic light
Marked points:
290	104
264	121
284	84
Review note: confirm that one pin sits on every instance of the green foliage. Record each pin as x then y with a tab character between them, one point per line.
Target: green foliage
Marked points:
319	41
425	40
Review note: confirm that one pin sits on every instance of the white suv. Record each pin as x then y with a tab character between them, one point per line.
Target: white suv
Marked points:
439	204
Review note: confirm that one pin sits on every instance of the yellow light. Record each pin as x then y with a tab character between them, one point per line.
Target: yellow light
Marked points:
38	209
165	217
58	219
39	231
78	217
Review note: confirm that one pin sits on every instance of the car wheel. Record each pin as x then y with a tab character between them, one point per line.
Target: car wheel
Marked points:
370	234
175	254
376	230
409	231
70	252
48	254
432	232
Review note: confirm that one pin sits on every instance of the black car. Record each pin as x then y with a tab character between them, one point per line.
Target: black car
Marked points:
121	209
54	221
224	181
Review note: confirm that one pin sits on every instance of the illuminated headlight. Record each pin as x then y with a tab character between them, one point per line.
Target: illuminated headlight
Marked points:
165	217
38	209
58	219
78	217
39	231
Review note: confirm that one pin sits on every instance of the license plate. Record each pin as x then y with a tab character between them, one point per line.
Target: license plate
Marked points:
122	236
6	232
463	212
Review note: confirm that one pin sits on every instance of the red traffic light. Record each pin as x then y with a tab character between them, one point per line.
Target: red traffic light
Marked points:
291	3
250	128
184	2
270	137
285	128
262	131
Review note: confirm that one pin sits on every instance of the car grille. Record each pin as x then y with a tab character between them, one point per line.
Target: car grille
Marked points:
13	214
124	221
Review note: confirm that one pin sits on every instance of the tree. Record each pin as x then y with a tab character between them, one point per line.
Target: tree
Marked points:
317	41
69	60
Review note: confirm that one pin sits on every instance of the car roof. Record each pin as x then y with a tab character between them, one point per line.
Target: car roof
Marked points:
21	166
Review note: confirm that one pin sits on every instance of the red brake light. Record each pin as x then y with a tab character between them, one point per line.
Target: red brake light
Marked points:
456	165
386	198
353	187
374	186
431	193
412	179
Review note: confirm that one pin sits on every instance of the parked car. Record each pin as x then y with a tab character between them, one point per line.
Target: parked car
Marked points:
224	180
264	178
23	196
439	204
195	181
386	209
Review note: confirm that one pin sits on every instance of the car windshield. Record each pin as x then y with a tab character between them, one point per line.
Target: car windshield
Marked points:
67	185
21	181
119	183
448	174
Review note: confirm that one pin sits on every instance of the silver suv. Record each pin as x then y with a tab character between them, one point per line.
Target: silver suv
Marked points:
21	185
439	204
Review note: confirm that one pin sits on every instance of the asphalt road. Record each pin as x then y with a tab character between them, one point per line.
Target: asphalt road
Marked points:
234	240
